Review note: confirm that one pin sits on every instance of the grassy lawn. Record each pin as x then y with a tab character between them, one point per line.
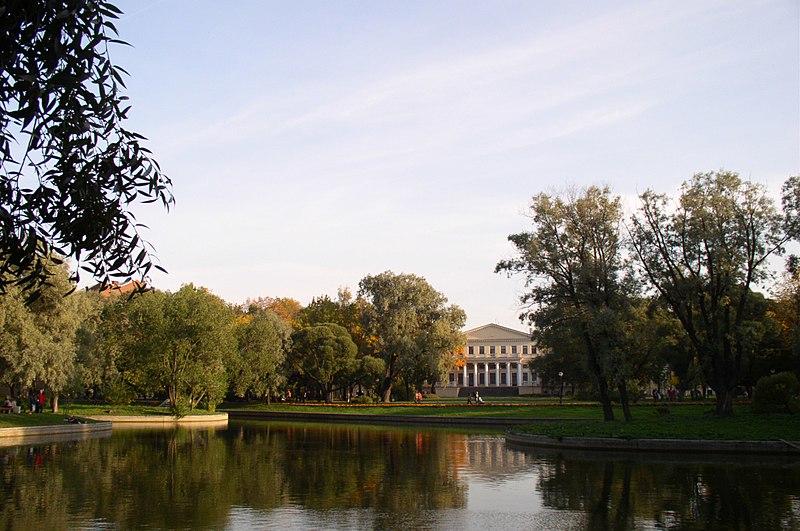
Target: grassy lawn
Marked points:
688	422
460	409
677	421
25	420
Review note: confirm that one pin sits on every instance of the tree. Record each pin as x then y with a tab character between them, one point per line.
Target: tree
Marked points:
69	169
175	342
410	326
263	338
57	318
286	308
573	265
325	355
704	255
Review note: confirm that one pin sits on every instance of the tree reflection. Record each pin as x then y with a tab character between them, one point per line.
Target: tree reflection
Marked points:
192	478
617	493
394	477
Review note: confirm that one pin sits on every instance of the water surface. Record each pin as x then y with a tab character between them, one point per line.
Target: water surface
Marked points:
268	475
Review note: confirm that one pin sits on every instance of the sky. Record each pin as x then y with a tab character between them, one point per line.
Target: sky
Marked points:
313	143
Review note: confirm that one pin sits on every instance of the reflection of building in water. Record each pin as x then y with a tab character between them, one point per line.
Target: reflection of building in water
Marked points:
487	456
496	363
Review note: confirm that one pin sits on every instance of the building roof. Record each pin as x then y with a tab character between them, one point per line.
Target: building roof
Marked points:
115	288
495	332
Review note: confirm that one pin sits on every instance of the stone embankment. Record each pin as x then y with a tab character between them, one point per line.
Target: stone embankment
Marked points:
56	432
780	447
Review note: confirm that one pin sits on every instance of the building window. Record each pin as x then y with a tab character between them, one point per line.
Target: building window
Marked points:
524	377
471	350
480	350
452	377
503	349
491	349
513	349
533	350
524	349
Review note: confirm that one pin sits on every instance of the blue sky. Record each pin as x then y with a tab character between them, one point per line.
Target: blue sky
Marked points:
314	143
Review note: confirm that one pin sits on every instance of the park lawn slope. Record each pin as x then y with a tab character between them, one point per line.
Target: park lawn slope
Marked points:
24	420
689	423
99	410
531	411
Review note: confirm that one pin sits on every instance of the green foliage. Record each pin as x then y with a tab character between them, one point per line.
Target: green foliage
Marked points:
576	294
255	368
118	392
779	391
409	325
364	399
69	169
324	355
704	255
173	342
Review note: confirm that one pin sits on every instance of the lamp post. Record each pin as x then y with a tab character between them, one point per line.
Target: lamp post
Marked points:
561	392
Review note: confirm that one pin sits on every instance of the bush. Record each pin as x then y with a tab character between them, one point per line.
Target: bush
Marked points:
779	391
118	393
363	399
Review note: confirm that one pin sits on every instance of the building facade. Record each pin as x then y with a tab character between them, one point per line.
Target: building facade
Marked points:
496	362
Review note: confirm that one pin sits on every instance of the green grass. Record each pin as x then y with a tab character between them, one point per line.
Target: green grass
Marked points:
689	422
677	421
97	410
531	411
24	420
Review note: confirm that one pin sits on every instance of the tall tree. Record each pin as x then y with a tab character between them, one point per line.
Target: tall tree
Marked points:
57	317
69	169
408	323
178	343
704	255
286	308
38	340
573	265
325	355
263	338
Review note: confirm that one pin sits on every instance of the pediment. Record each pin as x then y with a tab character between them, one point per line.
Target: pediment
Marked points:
495	332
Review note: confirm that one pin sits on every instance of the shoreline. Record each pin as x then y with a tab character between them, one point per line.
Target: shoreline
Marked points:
55	432
608	444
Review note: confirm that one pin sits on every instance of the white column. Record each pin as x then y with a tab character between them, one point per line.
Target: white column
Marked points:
465	381
508	373
475	372
519	373
497	374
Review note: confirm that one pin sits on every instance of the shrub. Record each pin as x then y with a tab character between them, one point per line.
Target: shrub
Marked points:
777	391
363	399
118	393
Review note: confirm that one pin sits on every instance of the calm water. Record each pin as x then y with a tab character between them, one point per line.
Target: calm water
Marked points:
263	475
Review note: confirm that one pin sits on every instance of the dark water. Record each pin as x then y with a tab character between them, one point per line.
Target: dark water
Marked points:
259	475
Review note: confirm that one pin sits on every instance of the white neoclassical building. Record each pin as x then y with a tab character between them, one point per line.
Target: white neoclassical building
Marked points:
496	362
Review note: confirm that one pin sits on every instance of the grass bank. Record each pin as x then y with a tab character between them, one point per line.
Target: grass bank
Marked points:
662	421
680	422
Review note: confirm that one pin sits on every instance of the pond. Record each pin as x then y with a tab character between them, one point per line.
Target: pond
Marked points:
269	475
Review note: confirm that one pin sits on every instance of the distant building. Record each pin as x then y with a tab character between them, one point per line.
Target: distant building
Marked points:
115	288
496	362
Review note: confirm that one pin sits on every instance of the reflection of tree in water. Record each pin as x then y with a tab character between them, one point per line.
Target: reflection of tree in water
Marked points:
618	494
192	478
388	470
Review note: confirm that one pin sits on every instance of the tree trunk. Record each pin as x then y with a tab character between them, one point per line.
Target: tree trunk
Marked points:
623	397
387	390
724	402
55	403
